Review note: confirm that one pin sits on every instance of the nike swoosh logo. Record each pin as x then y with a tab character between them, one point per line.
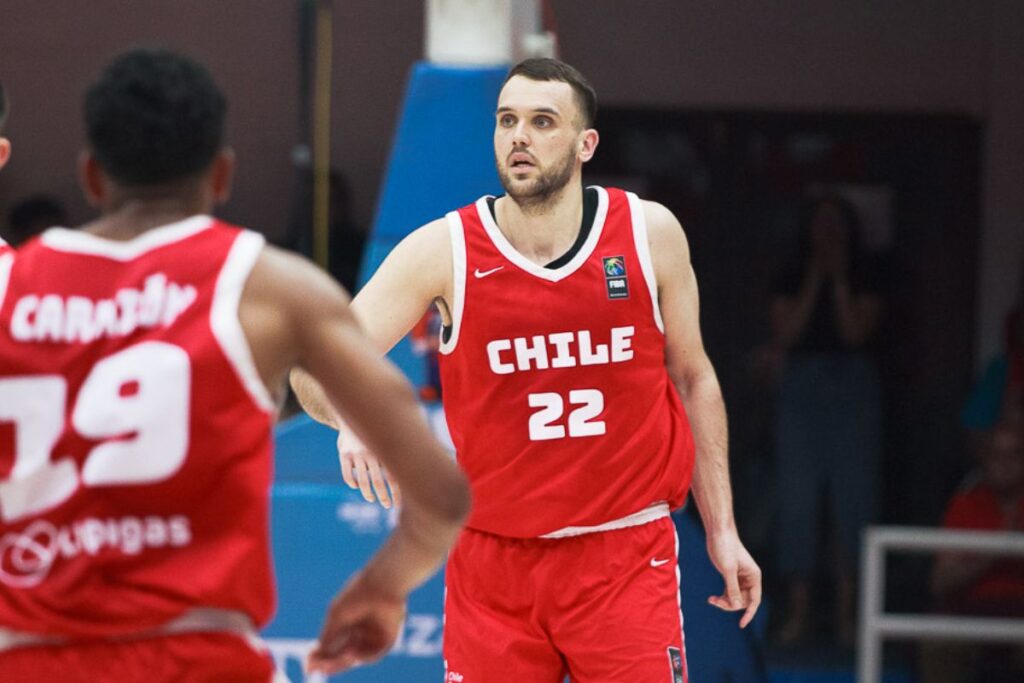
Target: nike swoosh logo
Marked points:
484	273
658	563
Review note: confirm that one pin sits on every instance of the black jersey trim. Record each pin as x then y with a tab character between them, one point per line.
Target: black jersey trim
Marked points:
590	201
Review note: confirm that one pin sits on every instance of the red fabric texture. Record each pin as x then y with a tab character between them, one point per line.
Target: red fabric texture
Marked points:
598	607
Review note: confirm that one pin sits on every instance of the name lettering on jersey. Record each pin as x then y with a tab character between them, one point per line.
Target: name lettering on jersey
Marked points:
27	557
55	318
559	350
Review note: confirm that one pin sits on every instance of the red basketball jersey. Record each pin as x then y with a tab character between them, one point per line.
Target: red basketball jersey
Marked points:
555	387
135	433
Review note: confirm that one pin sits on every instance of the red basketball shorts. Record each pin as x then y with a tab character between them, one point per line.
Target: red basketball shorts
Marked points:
180	658
601	608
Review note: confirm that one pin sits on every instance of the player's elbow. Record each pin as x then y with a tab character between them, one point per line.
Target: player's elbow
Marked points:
453	504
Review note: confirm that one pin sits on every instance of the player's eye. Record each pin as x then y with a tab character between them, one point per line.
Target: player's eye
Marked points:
507	120
543	122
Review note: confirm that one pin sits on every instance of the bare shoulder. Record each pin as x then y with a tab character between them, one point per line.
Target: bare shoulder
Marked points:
291	282
428	245
420	264
286	302
669	247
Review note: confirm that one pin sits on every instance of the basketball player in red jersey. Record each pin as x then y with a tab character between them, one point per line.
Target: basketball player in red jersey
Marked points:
572	370
140	360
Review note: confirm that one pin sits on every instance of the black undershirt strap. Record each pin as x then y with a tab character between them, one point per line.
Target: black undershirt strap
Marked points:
586	225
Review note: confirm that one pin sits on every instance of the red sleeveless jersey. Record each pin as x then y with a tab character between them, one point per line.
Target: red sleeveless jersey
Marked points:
555	387
135	432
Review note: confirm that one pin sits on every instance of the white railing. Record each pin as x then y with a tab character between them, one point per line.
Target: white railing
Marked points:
875	625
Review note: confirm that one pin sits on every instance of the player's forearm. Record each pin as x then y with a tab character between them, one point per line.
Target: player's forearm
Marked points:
418	545
387	418
312	398
712	491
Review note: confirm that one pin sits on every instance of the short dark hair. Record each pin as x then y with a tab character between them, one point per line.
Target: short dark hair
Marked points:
3	107
547	69
154	117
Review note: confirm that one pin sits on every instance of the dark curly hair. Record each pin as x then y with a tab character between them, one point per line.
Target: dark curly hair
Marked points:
154	117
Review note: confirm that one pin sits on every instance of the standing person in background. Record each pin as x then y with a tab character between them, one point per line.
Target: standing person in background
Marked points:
828	434
571	360
140	358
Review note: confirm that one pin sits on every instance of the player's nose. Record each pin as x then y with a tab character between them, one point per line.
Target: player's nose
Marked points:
520	138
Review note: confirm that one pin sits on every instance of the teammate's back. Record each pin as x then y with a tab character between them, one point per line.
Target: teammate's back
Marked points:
138	360
132	372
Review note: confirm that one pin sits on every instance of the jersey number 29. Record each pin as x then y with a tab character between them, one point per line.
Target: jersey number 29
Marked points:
135	402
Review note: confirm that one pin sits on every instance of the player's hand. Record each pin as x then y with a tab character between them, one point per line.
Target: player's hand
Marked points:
361	470
362	624
741	574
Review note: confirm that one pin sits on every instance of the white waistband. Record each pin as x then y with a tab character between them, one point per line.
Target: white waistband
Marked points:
198	620
645	516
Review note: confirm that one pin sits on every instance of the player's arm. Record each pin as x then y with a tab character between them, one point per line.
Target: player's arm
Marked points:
300	317
415	274
695	380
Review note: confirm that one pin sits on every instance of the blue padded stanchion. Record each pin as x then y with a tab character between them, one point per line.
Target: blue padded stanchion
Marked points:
442	158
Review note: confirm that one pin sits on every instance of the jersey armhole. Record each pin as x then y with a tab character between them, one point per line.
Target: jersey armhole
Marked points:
224	321
458	241
643	253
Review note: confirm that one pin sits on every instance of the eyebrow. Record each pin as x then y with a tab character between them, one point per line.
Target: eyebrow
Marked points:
538	110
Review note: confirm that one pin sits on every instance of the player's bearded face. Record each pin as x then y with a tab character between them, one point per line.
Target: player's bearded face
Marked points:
544	182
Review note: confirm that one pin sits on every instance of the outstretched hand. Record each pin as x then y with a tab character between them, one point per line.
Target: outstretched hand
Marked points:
361	470
362	624
741	574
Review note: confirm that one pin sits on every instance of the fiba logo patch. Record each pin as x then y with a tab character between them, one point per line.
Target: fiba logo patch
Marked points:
615	277
675	661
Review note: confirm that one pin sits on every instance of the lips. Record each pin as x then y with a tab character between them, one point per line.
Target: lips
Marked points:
520	161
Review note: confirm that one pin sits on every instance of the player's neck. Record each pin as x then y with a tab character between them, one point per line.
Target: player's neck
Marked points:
128	217
542	232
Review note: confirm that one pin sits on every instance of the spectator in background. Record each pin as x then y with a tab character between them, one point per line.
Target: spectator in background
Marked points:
346	238
999	393
828	432
991	499
32	215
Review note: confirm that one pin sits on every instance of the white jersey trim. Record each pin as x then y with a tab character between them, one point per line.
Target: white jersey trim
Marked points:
550	274
643	252
77	242
645	516
196	620
224	321
458	240
6	263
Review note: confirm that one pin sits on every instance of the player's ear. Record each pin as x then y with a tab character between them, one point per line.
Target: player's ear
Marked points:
588	144
222	175
5	151
91	178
